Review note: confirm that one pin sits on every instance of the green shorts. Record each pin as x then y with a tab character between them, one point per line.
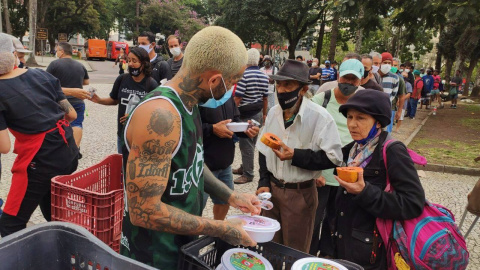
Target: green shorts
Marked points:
435	92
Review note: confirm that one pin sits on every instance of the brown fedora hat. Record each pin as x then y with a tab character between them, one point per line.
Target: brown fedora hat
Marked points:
293	70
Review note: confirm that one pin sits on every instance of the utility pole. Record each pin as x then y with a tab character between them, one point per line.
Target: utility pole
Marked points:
32	17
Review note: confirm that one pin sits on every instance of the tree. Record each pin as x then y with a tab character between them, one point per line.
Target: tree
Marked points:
292	17
18	13
6	15
32	19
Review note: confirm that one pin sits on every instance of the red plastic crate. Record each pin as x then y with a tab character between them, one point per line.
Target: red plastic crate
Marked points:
93	199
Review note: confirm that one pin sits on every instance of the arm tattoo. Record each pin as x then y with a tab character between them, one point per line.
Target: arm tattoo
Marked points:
65	105
162	121
215	187
191	90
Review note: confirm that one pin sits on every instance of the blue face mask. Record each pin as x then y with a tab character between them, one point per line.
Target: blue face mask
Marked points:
212	103
370	136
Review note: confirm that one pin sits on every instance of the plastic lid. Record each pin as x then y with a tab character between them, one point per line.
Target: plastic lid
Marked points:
317	263
244	259
259	223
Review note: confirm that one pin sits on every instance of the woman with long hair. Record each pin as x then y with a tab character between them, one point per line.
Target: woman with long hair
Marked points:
137	82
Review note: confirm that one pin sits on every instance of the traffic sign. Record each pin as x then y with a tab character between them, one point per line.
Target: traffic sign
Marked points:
62	37
42	33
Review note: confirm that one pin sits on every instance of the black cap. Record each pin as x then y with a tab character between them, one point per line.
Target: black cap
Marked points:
293	70
371	102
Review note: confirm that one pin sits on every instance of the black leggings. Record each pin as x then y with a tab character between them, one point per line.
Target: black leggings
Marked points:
38	193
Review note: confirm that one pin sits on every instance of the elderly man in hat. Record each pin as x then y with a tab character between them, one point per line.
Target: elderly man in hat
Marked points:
21	51
299	123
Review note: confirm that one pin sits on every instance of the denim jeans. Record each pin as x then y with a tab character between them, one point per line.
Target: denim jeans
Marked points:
247	148
390	127
412	110
226	176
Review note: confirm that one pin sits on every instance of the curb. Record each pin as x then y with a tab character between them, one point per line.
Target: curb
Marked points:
449	169
91	67
415	132
432	167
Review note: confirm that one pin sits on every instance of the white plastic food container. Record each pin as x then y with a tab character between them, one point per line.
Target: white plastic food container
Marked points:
260	229
317	263
237	127
239	259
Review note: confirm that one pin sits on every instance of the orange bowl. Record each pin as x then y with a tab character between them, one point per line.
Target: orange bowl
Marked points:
271	140
349	174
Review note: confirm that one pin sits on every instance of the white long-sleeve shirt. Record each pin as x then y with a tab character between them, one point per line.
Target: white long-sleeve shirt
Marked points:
313	128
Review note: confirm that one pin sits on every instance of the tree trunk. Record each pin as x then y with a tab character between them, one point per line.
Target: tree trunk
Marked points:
476	88
8	25
32	19
321	35
291	48
448	70
334	36
359	34
438	60
473	64
1	21
137	18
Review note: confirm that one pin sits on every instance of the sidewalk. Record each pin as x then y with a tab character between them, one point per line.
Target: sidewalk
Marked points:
449	190
44	61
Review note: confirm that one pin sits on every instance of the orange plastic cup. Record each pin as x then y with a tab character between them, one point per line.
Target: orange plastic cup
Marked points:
349	174
271	140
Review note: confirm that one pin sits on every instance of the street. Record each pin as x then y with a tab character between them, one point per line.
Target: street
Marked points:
103	71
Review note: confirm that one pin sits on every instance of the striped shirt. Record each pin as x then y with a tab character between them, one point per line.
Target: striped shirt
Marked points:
253	87
330	72
390	85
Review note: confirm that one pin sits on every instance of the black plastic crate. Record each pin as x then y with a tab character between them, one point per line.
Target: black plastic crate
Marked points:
206	253
60	246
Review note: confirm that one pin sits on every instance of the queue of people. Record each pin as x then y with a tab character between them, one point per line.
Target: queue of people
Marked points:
178	150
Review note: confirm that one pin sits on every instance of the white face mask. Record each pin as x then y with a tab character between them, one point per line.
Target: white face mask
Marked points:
314	64
407	70
176	51
385	68
146	47
375	69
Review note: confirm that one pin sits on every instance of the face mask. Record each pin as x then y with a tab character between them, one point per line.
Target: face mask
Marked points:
327	65
347	89
366	73
289	99
401	70
375	69
135	72
314	64
175	51
385	68
407	70
212	103
394	70
373	132
146	47
56	55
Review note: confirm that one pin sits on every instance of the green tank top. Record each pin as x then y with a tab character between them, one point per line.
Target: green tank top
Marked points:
184	191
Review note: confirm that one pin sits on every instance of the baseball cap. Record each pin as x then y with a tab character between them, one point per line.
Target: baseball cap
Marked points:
327	62
352	66
387	56
19	46
6	44
416	72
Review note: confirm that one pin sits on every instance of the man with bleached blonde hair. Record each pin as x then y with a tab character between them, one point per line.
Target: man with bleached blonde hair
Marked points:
163	156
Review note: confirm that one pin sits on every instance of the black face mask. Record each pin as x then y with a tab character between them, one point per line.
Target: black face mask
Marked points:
365	73
289	99
347	89
327	66
135	72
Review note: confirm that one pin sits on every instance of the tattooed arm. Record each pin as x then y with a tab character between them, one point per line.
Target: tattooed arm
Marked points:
70	113
153	134
247	203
